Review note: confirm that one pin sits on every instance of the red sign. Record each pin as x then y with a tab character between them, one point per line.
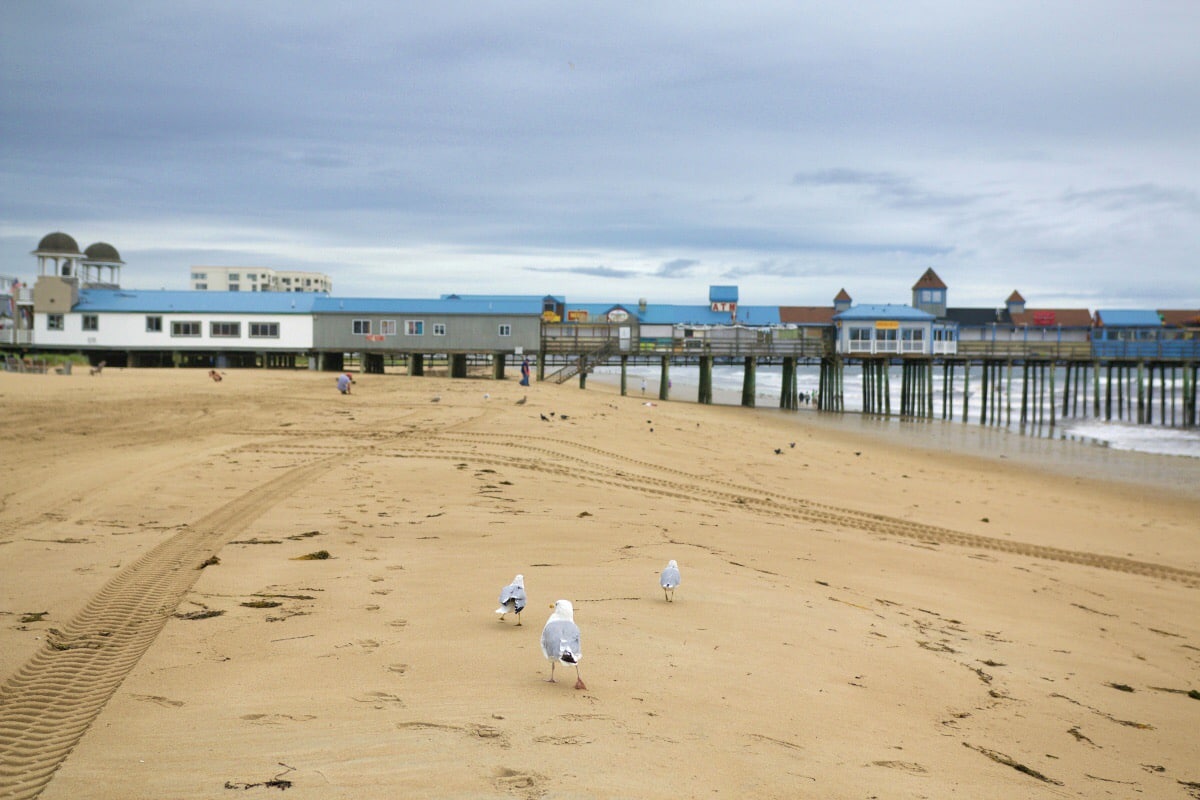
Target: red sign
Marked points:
727	307
1043	317
577	315
374	337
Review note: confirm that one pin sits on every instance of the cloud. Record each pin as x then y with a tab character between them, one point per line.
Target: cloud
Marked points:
594	272
1136	197
677	268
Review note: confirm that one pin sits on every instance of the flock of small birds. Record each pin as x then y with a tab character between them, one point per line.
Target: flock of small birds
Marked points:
561	637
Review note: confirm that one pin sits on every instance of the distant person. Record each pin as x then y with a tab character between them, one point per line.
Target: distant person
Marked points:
525	372
343	382
216	376
643	387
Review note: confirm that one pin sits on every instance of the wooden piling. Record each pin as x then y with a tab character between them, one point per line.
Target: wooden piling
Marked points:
664	379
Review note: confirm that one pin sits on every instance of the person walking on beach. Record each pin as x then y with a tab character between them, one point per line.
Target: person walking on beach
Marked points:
643	387
525	371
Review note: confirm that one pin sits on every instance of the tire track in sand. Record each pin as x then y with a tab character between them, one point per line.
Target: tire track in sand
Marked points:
48	704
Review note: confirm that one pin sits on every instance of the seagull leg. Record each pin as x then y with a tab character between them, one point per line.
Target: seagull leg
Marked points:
518	617
579	680
551	678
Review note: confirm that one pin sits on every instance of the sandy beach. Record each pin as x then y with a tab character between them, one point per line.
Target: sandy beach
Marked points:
231	589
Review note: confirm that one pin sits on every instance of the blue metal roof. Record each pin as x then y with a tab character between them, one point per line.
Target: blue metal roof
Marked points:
531	306
663	314
897	312
166	302
1128	318
504	297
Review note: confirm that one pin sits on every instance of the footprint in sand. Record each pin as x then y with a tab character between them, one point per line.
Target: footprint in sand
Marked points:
380	699
398	668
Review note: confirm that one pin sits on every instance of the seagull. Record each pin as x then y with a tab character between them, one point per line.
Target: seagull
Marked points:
560	640
544	417
778	451
669	580
512	598
521	402
436	398
791	444
562	416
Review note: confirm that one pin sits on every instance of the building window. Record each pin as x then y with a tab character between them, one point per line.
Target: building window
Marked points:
388	327
199	276
227	330
860	334
91	322
362	327
505	330
202	287
439	329
234	276
264	330
153	324
54	322
185	328
414	327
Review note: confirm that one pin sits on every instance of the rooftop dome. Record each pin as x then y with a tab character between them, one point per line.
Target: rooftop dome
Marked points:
104	253
59	243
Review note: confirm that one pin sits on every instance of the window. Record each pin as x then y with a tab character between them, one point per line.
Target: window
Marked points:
233	287
199	276
185	328
234	276
202	287
439	329
860	334
264	330
362	327
414	327
153	324
91	322
913	334
54	322
229	330
388	327
505	330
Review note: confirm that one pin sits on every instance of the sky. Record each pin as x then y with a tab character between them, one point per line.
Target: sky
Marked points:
616	151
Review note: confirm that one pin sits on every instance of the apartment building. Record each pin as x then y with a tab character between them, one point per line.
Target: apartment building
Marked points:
258	279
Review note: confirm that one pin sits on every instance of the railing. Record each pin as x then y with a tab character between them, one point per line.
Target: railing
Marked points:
1068	351
14	336
1166	349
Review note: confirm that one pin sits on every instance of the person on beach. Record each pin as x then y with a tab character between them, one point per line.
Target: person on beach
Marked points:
643	387
343	382
525	371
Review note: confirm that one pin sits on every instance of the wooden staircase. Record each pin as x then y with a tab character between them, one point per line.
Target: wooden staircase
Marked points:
585	363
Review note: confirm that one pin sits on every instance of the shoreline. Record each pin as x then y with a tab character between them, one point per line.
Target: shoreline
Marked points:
1070	457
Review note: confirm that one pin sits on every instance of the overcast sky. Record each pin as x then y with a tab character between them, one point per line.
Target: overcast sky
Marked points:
612	151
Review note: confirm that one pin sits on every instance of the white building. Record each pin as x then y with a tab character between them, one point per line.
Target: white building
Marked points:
258	279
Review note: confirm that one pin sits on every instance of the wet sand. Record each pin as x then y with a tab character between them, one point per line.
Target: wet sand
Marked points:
857	618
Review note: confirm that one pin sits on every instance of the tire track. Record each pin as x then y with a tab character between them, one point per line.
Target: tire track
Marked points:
48	704
730	494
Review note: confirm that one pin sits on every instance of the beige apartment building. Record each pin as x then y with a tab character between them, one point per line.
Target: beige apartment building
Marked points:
258	279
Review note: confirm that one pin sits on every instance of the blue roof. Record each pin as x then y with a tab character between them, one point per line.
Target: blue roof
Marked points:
1129	318
531	306
505	297
165	302
897	312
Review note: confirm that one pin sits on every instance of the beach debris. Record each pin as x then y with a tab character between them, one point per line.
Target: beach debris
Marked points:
262	604
1079	737
1121	687
33	616
561	416
1007	761
437	398
1192	693
319	555
790	444
583	514
209	562
512	598
306	535
669	580
561	640
278	782
204	613
256	540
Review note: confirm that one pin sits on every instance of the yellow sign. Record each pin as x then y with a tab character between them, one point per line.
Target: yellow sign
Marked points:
887	324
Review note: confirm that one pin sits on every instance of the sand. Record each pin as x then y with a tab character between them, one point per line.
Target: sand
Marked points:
855	620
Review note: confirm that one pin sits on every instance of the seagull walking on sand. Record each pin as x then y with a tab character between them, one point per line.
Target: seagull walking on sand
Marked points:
669	580
521	402
512	599
560	640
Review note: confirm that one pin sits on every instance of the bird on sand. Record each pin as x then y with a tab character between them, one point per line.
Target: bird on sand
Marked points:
669	580
521	402
544	417
560	640
512	599
437	398
778	451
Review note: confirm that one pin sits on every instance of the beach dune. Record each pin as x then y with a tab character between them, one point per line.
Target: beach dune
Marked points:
261	584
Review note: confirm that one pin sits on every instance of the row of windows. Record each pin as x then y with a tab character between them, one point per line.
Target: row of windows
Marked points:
412	327
154	324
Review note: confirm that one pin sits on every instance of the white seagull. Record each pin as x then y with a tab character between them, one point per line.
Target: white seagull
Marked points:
669	580
560	640
512	598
